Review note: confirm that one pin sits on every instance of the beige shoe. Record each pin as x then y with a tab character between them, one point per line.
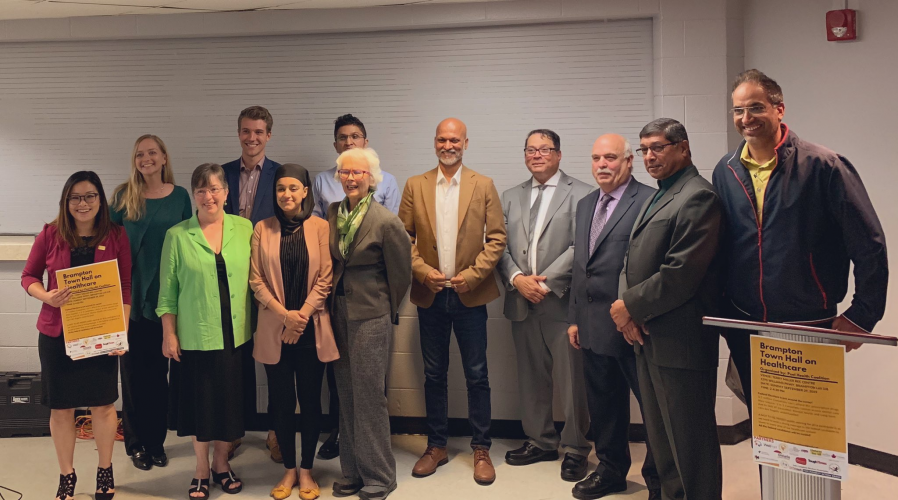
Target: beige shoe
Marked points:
432	458
484	472
272	444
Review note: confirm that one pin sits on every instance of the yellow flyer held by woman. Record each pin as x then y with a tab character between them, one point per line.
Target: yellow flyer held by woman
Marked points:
93	320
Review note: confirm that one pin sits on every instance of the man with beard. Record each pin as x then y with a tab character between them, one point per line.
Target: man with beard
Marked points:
454	218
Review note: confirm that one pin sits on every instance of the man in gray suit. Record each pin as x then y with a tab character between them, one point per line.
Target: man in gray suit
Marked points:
604	221
669	281
536	271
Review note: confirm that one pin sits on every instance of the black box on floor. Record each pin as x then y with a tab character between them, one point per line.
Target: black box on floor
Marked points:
21	411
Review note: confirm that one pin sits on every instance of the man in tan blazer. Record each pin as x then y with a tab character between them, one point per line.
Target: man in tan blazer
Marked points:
454	218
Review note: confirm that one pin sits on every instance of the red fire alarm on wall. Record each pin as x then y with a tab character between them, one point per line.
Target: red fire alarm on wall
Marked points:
841	25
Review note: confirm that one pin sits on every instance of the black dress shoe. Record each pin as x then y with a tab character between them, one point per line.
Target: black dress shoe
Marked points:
595	486
654	494
529	454
574	467
331	448
344	488
159	459
141	460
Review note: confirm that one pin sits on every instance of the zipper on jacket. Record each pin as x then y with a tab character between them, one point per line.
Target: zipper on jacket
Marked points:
817	280
758	225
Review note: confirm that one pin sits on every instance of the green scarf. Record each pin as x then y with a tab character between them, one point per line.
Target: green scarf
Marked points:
348	222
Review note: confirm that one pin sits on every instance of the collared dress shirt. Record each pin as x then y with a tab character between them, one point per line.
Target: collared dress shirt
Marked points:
447	220
249	184
548	192
615	198
326	190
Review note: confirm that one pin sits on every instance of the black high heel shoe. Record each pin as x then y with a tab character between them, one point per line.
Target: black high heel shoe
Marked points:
66	486
105	482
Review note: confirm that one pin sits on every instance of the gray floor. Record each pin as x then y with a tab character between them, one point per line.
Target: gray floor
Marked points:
28	465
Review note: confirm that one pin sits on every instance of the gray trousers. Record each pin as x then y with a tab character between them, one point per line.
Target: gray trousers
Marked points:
365	449
681	426
545	355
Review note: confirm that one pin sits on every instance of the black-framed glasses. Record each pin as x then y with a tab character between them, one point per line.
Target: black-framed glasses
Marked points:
657	148
344	173
354	137
544	151
89	198
755	110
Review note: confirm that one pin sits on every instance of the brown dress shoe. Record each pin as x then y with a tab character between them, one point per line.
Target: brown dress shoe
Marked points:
272	444
484	472
432	458
232	447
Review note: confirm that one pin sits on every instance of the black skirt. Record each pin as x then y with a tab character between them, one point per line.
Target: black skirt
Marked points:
210	383
67	384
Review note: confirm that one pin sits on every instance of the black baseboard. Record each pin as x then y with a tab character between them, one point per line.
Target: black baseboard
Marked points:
873	459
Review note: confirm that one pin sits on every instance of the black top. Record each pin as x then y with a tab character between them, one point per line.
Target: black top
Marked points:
295	274
224	293
84	254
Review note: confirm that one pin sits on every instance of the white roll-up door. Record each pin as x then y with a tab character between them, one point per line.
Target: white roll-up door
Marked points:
68	106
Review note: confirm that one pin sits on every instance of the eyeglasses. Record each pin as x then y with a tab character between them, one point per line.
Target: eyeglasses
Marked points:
541	151
89	198
657	148
202	192
752	110
344	173
354	137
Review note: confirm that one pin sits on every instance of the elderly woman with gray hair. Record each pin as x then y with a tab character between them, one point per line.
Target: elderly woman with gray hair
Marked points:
372	271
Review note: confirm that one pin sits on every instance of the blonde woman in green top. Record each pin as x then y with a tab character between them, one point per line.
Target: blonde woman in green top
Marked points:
204	305
147	205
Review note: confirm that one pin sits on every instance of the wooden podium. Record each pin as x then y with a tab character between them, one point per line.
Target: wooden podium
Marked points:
779	484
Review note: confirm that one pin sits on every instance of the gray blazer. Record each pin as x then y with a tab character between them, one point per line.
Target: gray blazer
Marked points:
670	274
377	270
555	248
594	286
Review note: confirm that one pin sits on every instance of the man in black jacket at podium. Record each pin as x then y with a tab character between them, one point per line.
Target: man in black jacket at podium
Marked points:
796	216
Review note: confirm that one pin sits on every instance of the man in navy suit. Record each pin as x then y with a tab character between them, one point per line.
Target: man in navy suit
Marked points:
604	220
251	196
251	177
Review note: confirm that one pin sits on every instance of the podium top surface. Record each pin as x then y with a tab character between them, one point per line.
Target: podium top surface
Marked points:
826	333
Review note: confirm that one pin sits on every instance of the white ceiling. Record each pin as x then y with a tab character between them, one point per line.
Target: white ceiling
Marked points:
43	9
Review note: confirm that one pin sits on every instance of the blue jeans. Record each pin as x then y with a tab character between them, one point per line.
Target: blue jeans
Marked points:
437	323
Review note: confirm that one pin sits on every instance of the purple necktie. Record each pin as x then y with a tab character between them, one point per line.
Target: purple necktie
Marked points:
598	221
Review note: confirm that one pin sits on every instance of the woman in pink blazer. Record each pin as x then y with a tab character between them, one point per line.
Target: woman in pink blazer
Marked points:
291	274
82	234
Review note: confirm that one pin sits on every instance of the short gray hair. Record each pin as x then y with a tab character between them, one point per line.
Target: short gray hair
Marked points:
370	157
204	173
628	150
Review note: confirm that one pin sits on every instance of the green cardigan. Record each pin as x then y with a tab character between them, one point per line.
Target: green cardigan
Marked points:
188	282
146	236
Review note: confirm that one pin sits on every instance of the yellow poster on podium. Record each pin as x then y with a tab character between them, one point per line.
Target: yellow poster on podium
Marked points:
93	320
798	407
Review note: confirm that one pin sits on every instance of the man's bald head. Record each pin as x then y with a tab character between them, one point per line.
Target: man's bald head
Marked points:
612	161
450	142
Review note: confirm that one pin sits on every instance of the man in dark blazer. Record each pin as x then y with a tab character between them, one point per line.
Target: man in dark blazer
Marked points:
536	271
668	282
604	221
251	196
251	177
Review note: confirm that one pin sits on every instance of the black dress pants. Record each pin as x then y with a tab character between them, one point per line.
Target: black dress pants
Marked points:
609	380
144	388
296	377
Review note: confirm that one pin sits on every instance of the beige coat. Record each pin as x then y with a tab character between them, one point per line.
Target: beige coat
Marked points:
265	279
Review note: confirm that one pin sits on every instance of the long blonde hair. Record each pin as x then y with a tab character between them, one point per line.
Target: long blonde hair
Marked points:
129	196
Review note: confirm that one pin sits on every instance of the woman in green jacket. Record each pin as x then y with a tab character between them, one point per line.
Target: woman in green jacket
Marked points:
147	205
204	305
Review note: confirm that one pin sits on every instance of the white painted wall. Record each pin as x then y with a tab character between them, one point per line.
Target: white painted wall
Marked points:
842	95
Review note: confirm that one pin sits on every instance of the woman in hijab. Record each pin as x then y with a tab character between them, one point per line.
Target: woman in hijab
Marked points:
290	275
